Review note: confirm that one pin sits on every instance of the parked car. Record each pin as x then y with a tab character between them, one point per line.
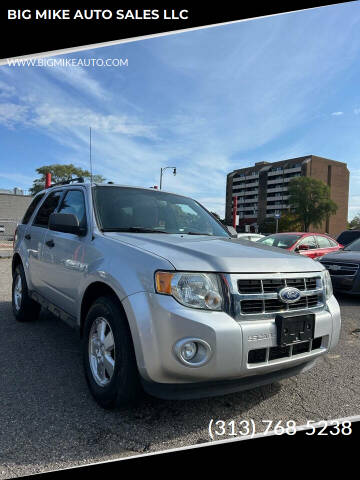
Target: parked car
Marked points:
253	237
344	268
309	244
164	299
348	236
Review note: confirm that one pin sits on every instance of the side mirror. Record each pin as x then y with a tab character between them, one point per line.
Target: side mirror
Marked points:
67	223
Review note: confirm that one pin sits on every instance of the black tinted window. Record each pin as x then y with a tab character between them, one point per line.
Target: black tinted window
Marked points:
347	237
74	203
32	208
46	209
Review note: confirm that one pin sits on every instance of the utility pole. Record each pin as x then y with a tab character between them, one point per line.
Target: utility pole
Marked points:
162	170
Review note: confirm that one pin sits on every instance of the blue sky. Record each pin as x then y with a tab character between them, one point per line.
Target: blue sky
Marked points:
207	101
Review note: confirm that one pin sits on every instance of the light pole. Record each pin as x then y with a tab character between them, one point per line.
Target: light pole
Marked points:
162	170
277	217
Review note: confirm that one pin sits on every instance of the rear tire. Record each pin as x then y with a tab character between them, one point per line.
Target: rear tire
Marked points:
24	308
108	355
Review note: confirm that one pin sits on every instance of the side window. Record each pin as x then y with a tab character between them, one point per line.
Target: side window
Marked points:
46	209
309	242
32	208
74	202
323	242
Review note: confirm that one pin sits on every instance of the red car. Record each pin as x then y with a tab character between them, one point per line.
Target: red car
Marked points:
310	244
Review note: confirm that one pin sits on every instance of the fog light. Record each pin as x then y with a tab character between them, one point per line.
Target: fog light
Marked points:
188	351
192	352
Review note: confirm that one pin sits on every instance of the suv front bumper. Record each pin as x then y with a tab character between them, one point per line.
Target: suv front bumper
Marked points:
158	322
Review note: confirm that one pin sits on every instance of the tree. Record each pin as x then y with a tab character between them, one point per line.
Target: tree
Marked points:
289	223
60	173
310	200
267	226
355	222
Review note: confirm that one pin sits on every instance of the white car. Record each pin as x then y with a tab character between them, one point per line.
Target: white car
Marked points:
253	237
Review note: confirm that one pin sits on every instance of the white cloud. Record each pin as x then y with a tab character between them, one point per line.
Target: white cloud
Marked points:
357	111
337	114
6	90
52	116
79	79
12	113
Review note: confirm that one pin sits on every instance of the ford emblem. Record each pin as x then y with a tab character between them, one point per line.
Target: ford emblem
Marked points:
289	294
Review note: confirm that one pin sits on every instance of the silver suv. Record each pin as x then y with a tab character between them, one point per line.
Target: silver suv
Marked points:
165	300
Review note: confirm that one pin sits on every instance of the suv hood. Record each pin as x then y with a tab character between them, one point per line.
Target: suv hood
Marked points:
217	254
342	256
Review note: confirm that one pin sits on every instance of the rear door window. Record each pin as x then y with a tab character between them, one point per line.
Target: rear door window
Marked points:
323	242
47	208
32	208
309	241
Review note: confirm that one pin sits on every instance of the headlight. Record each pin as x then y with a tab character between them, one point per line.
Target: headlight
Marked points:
196	290
328	284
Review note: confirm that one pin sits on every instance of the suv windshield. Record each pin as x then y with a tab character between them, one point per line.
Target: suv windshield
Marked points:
280	240
126	209
354	246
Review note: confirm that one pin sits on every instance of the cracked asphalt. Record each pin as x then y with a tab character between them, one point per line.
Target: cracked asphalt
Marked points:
49	420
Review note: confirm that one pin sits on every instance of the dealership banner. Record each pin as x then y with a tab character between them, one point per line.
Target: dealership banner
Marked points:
40	27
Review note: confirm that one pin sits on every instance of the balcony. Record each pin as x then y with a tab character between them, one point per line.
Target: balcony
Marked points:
252	184
292	170
276	181
275	172
275	198
277	189
277	207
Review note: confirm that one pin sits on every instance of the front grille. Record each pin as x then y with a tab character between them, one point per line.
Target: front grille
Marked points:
264	355
259	296
340	268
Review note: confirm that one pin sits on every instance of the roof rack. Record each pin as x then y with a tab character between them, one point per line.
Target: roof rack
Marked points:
66	182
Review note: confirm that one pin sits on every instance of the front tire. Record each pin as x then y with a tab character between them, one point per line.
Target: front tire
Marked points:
108	355
24	308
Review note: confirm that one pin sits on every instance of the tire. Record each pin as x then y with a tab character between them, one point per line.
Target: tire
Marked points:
24	308
108	355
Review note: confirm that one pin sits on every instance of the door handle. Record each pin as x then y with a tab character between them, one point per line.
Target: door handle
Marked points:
50	243
28	236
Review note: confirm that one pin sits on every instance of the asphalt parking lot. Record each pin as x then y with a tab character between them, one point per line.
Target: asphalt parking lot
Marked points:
49	420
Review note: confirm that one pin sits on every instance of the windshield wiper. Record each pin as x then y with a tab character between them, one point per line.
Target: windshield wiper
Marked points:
132	229
197	233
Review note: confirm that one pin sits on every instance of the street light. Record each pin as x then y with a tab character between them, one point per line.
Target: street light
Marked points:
162	170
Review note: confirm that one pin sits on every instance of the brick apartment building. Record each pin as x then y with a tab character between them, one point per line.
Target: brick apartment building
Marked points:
262	190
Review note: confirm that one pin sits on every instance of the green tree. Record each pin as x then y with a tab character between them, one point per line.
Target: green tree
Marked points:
289	223
267	226
355	222
310	199
60	173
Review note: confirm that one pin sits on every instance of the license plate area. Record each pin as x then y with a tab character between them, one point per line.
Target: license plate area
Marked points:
294	329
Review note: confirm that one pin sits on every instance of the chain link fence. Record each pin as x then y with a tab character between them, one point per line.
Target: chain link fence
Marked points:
7	232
